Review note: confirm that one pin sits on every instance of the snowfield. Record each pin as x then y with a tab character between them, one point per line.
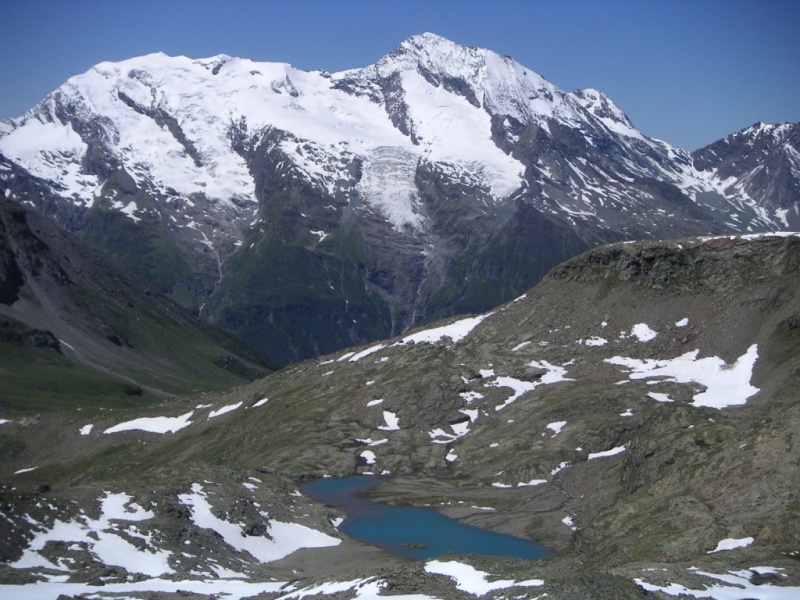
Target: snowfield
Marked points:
104	537
284	538
727	385
469	579
154	424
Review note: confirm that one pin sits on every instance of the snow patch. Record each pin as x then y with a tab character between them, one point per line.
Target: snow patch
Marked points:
102	538
372	350
392	422
469	579
225	409
456	331
284	538
734	585
531	483
642	332
554	374
726	385
606	453
731	544
659	397
154	424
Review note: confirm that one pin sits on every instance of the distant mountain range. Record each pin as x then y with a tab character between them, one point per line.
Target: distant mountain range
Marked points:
309	211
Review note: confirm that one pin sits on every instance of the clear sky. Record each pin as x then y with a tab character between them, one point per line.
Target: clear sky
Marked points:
685	71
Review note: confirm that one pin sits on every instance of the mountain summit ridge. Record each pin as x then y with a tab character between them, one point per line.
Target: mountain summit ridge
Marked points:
442	179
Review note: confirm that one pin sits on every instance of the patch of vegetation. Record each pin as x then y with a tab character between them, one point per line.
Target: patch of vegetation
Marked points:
38	379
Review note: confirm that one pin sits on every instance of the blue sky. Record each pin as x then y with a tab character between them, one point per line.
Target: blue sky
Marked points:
685	71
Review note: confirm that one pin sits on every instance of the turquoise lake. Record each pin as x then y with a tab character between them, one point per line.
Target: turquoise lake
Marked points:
418	533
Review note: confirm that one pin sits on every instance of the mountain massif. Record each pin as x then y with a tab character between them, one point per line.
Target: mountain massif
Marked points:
636	413
309	211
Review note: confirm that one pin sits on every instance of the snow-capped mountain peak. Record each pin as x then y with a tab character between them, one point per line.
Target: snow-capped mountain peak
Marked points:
486	79
441	164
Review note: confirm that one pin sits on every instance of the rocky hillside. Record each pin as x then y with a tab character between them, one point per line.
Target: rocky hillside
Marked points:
635	413
308	211
76	330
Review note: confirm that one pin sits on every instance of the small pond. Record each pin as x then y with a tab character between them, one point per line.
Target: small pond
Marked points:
418	533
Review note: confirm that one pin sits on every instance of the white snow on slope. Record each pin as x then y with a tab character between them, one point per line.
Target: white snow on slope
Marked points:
285	537
154	424
222	588
733	585
455	131
392	421
371	350
469	579
731	544
364	589
606	453
597	103
554	374
327	129
642	332
456	331
369	457
225	409
52	151
727	385
659	397
532	483
102	538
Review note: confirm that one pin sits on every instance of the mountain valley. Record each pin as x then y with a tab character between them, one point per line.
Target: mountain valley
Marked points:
74	328
635	413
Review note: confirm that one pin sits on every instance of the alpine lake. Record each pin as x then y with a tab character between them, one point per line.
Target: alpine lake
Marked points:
418	533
